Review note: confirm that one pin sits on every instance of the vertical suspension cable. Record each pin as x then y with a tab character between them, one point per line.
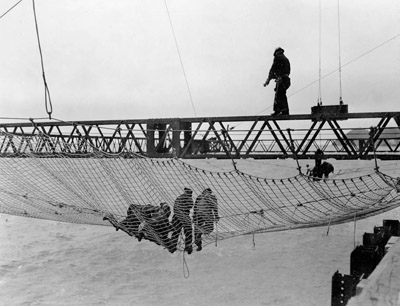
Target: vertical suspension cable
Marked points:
319	70
340	61
47	99
180	58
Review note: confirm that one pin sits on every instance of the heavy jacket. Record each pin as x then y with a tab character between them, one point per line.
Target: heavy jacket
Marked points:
280	67
183	205
206	207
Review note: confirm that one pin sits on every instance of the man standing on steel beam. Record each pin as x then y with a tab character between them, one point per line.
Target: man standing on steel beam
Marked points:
280	71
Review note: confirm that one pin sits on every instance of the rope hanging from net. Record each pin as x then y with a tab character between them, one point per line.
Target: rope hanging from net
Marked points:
146	197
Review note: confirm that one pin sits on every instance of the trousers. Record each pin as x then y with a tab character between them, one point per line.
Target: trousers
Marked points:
280	101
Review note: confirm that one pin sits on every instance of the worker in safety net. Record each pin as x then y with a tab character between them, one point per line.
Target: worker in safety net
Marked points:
280	71
181	220
204	216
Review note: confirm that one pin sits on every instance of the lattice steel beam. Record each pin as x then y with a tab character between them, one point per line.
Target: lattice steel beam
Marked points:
215	137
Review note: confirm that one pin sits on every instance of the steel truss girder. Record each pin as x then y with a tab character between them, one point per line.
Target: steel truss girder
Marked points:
218	137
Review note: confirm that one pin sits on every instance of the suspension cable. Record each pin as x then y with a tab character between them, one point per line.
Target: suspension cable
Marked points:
47	99
10	9
342	66
319	102
180	58
340	61
349	62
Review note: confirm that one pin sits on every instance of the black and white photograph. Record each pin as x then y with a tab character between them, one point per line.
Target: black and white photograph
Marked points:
179	153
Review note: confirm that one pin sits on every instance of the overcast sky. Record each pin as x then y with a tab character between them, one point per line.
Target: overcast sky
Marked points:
118	59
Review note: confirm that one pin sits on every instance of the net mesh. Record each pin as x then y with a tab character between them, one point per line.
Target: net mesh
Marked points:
146	198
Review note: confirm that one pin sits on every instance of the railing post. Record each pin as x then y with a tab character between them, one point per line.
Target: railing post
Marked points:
178	127
151	148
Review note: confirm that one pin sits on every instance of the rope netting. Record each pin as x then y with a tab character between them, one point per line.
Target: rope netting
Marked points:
150	198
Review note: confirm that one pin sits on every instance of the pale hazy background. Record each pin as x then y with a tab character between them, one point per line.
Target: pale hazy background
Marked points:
118	59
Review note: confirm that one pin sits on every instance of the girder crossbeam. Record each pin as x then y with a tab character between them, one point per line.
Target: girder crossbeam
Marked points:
345	136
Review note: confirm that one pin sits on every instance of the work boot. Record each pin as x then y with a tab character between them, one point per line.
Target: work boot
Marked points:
189	249
279	113
199	247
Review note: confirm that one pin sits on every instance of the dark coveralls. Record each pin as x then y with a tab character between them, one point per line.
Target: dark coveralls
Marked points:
317	171
181	219
148	221
280	71
156	226
319	155
132	221
205	214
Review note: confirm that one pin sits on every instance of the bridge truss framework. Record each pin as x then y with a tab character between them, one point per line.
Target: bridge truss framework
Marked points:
340	136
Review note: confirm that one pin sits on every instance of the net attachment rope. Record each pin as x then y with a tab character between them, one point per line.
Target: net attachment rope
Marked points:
139	196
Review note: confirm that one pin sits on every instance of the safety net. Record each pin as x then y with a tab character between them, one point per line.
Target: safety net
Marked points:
173	203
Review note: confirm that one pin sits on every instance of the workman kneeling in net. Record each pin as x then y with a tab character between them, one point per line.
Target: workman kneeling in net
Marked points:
149	222
321	169
132	221
155	224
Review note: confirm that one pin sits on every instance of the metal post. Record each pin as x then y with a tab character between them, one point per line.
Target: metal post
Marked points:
294	151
